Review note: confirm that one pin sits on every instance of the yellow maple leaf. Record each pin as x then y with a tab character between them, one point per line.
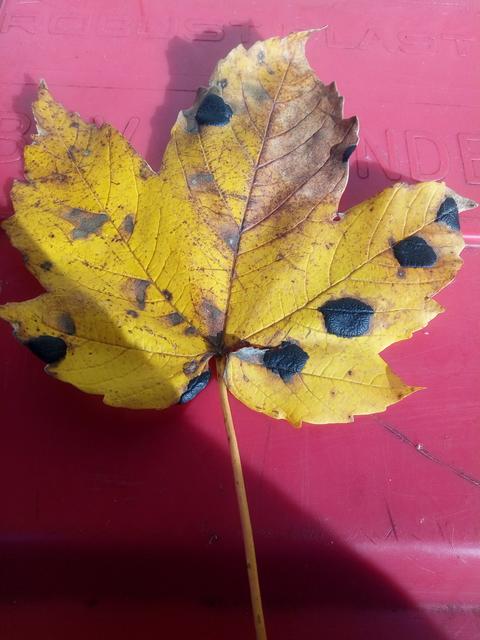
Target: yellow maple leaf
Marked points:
232	250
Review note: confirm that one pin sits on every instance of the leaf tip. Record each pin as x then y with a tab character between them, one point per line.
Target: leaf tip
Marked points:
463	204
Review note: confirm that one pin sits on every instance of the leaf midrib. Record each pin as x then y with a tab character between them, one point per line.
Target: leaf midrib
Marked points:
256	167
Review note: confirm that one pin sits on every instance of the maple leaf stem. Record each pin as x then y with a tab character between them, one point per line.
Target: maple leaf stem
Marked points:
247	533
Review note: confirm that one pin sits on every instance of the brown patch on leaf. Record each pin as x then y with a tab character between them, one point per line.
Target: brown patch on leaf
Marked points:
132	313
66	323
166	294
175	318
127	226
200	179
190	331
256	91
401	273
136	290
190	367
85	223
231	236
213	316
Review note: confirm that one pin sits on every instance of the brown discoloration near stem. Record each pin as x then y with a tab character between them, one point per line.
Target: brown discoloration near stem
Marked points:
213	316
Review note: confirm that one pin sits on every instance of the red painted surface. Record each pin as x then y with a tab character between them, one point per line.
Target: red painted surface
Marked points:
120	524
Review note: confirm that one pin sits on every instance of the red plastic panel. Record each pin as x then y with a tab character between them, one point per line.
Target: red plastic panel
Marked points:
122	524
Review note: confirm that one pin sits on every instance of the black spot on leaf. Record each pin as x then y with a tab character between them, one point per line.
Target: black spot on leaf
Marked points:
347	317
132	313
285	360
448	214
194	387
414	252
213	110
46	266
348	152
48	348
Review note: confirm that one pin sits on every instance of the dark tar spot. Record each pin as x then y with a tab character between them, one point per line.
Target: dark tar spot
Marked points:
414	252
46	266
195	386
66	324
223	83
175	318
132	313
213	110
85	222
190	367
348	152
48	348
140	289
127	226
285	360
190	331
166	294
448	214
346	317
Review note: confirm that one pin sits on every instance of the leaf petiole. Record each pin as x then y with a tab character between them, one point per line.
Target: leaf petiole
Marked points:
247	533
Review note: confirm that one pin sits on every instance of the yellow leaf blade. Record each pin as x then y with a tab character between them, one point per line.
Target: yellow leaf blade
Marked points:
108	349
334	385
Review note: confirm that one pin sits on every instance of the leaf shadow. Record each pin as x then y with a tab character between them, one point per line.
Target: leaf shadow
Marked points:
121	507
